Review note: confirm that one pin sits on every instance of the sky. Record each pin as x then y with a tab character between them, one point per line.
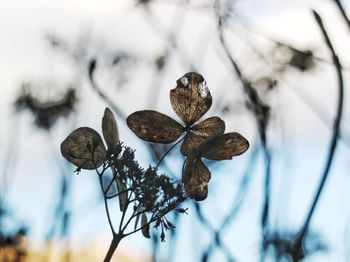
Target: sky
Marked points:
104	26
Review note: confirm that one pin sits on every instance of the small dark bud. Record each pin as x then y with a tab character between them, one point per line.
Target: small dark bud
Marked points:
181	210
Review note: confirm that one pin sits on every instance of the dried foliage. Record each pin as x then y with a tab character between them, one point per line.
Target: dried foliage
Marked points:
146	193
190	100
216	147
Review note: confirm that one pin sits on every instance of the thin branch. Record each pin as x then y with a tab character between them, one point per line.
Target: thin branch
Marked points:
336	126
116	109
261	112
343	13
167	152
237	201
106	205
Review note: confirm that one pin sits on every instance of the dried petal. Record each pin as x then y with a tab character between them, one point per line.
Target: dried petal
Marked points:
137	219
187	101
190	142
195	178
153	126
200	132
225	146
145	226
110	129
123	197
84	148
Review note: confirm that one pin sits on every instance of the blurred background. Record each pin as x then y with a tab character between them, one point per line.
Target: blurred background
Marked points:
272	78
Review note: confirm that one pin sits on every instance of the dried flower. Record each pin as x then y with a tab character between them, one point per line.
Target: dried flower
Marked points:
151	196
216	147
191	99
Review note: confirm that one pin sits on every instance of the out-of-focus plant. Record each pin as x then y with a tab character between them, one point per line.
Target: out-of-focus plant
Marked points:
46	113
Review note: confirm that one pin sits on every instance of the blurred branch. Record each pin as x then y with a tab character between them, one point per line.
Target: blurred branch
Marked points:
237	201
114	106
217	239
336	126
261	112
342	11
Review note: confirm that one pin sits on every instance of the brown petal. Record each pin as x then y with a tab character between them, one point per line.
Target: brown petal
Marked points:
123	197
225	146
84	148
153	126
191	141
110	129
186	99
200	132
195	178
145	226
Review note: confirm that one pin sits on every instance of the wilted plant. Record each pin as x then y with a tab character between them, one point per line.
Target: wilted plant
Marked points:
148	195
142	193
191	99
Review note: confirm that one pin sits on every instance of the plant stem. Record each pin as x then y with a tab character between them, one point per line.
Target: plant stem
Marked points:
106	205
336	127
114	244
342	12
167	152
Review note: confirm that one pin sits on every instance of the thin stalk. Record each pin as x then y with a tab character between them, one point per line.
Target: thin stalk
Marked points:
167	152
261	113
343	13
336	127
106	205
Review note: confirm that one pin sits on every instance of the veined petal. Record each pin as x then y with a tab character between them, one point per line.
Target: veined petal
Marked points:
190	142
195	178
110	129
223	147
200	132
153	126
84	148
191	98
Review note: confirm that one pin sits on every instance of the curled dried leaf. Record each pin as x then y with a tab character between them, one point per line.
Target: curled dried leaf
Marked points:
195	178
110	129
145	226
191	98
199	132
84	148
153	126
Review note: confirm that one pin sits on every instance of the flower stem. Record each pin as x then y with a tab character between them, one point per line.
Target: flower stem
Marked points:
167	152
114	244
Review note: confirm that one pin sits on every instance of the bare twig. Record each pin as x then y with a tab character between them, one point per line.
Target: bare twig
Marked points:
336	127
342	11
261	112
116	109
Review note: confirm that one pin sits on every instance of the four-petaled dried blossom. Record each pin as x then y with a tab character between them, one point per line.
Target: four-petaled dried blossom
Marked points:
190	100
216	147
